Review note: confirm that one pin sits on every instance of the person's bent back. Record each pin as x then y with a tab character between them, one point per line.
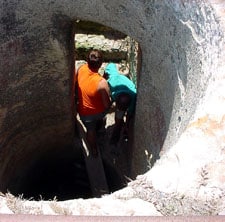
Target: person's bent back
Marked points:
123	93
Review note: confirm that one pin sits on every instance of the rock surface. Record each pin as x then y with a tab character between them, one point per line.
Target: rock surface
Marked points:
179	124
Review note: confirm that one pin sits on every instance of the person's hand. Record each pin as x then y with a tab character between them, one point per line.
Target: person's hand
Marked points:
112	108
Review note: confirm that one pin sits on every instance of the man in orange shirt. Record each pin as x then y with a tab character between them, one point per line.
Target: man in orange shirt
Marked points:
93	97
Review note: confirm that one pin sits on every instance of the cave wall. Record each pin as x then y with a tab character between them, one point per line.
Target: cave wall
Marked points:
36	69
180	44
179	56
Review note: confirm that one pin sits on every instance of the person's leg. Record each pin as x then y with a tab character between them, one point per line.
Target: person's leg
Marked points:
117	128
91	137
122	103
100	125
101	133
93	123
92	142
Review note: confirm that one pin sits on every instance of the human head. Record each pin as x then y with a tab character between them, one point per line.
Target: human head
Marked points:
110	70
94	59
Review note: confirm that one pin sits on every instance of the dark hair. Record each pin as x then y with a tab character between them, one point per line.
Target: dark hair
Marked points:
94	59
105	75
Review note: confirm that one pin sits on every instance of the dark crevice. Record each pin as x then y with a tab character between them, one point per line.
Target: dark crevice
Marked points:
62	177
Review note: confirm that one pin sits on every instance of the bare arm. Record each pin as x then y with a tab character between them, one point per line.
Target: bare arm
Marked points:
104	90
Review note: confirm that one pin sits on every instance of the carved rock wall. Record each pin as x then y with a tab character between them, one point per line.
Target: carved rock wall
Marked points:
181	47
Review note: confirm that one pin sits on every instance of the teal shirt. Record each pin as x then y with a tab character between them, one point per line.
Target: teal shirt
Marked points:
119	83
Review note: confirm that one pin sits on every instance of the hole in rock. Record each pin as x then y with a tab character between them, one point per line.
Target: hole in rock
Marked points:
62	176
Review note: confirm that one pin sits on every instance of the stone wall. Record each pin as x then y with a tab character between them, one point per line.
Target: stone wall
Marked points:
181	46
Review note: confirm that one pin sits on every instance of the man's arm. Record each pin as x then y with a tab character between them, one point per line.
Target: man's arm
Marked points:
104	90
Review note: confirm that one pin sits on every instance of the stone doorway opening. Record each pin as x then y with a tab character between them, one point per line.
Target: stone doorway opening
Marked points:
124	51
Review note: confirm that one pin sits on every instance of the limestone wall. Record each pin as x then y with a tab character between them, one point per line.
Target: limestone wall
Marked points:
181	44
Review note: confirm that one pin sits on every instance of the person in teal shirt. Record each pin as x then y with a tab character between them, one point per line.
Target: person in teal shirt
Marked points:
123	93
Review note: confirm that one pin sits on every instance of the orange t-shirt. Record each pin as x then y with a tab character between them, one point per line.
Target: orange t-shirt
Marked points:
89	99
